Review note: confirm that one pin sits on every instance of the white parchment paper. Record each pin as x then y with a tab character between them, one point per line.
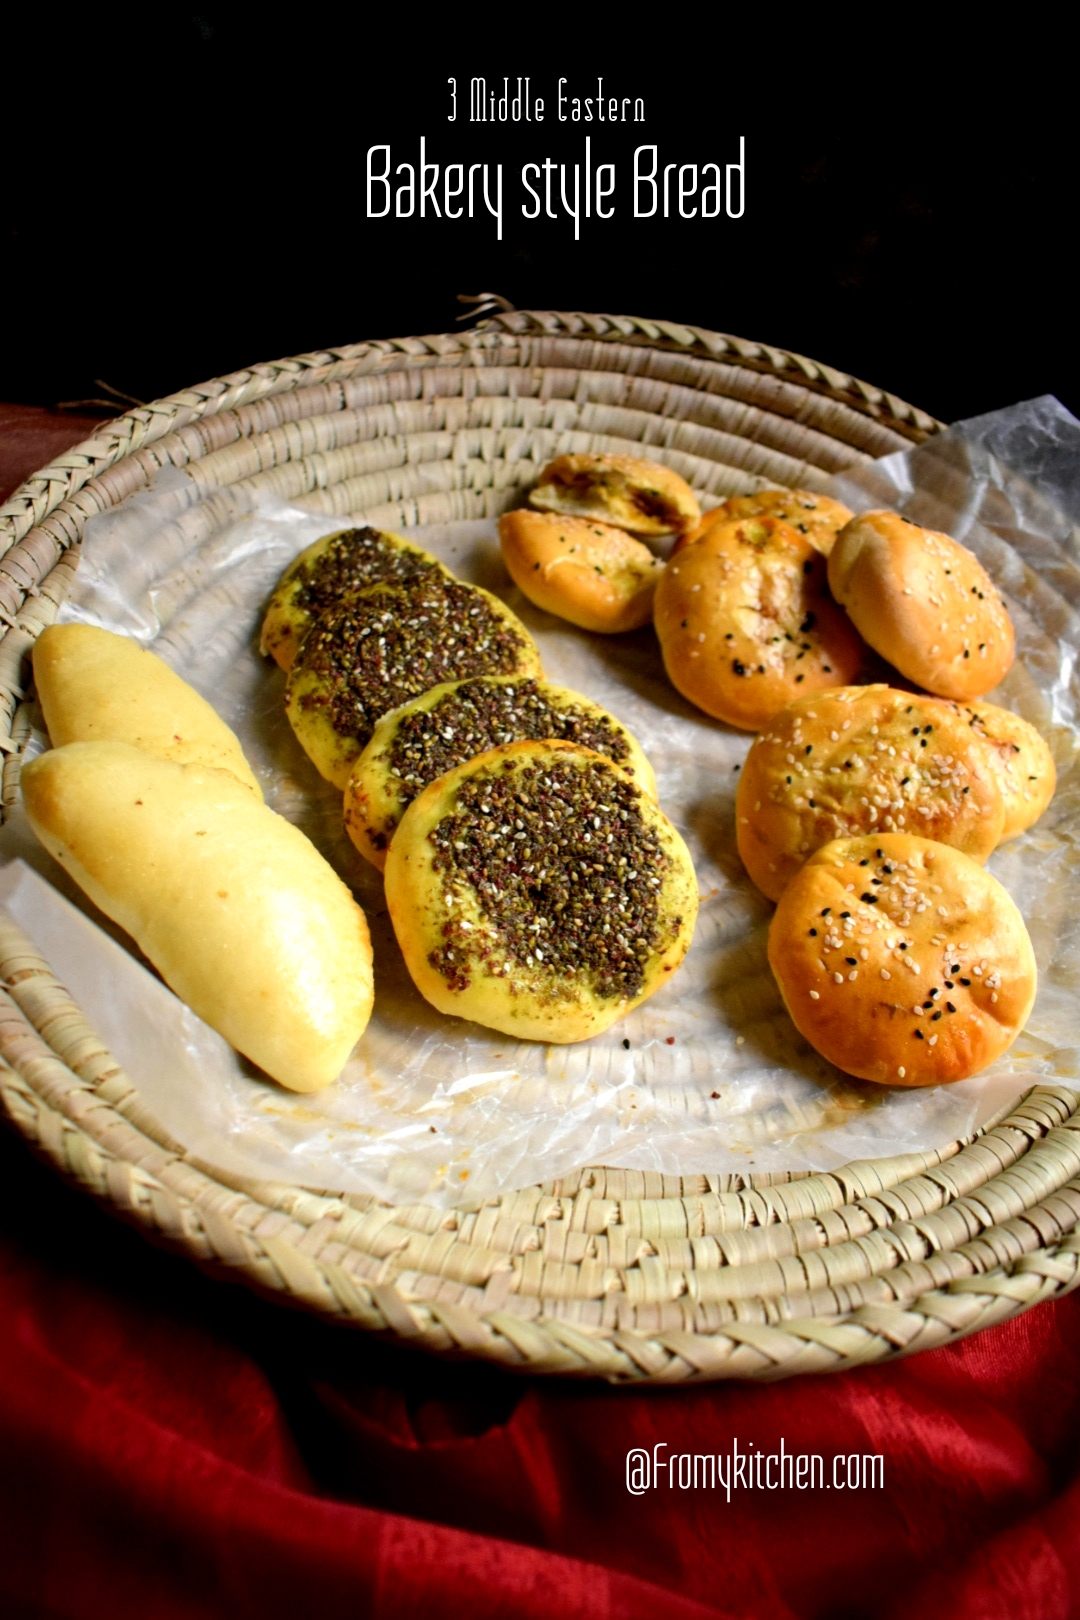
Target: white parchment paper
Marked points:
708	1076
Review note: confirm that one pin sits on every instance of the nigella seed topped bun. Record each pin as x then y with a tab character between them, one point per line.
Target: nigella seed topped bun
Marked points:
901	960
860	760
746	622
817	516
539	891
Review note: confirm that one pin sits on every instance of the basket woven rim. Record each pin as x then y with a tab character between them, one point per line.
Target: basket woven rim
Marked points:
757	1276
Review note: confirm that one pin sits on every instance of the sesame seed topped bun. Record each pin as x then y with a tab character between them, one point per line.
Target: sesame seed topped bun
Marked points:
902	961
817	516
859	760
746	622
640	496
924	602
1021	761
540	891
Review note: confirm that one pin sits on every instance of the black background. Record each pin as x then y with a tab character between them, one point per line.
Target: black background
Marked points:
185	196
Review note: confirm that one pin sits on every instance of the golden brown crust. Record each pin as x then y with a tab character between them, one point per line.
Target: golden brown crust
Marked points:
746	622
1021	761
861	760
326	574
591	573
819	517
641	496
537	890
389	644
924	602
238	911
95	686
453	723
902	961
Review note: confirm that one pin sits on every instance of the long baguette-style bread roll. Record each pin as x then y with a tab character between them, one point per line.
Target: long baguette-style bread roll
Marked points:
95	686
240	914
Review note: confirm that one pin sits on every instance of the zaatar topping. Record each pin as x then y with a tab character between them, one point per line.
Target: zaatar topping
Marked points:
484	714
393	642
356	559
566	873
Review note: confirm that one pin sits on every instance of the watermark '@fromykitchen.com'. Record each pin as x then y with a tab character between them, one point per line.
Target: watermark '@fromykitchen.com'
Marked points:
751	1468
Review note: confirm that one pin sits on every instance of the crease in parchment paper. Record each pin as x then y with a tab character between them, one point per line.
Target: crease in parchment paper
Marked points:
709	1076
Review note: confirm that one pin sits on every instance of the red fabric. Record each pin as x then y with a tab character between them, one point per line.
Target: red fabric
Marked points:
175	1447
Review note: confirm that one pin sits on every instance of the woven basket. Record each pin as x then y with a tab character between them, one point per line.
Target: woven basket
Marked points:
621	1274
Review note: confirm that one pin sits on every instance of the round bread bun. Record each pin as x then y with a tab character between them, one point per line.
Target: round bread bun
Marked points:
1021	761
329	572
455	722
387	645
641	496
591	573
901	960
924	602
817	516
860	760
746	622
539	891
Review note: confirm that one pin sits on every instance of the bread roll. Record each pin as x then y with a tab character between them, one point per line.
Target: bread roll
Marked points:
901	960
595	575
924	602
863	759
240	914
1021	761
539	891
640	496
453	723
817	516
95	686
746	622
387	645
327	574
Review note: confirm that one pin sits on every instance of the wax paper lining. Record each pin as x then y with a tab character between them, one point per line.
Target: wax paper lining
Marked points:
709	1076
